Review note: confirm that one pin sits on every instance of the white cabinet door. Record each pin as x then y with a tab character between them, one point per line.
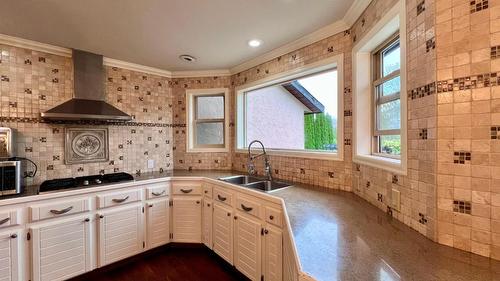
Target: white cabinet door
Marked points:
186	219
9	255
207	222
247	246
120	233
157	217
60	248
222	231
273	253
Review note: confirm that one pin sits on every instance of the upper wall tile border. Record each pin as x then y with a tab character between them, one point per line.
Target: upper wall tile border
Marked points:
90	122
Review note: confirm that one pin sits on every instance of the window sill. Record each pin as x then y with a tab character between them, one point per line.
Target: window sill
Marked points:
389	164
295	153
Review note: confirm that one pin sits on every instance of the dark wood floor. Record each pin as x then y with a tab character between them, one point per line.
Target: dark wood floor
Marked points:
170	263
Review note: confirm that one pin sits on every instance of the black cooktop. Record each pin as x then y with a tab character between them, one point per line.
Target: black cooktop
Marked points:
87	181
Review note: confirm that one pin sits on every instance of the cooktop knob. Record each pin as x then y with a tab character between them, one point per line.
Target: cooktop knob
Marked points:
98	181
85	182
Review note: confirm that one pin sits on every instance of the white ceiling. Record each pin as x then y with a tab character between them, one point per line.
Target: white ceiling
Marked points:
155	32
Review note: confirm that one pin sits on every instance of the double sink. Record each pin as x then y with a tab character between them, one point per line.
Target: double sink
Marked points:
255	183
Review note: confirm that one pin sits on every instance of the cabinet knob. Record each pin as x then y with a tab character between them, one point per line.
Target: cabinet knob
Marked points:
206	191
150	205
271	217
266	231
228	214
86	220
13	236
235	217
197	202
101	216
208	204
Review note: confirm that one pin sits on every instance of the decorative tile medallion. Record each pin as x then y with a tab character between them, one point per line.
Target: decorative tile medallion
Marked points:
85	145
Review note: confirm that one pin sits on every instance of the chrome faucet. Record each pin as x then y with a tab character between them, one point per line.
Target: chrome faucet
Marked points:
251	165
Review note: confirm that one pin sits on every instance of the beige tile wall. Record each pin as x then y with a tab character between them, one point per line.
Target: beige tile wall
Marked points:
32	82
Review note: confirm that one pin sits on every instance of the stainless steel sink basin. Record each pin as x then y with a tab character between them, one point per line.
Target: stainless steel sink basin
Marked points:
240	180
267	185
256	183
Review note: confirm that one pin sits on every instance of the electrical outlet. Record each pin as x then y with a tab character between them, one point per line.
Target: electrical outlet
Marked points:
151	164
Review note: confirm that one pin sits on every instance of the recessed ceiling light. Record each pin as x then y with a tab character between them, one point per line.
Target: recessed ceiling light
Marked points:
254	43
187	58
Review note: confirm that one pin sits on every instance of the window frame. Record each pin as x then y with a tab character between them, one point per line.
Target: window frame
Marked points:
300	72
192	120
377	98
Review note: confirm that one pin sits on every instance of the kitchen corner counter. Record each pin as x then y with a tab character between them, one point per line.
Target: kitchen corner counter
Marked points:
340	236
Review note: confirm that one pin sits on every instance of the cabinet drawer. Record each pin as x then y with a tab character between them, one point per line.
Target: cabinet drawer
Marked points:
223	196
157	191
248	206
118	198
179	189
59	208
9	218
207	190
274	216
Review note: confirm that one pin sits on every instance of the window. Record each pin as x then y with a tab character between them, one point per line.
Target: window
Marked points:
293	114
207	120
387	107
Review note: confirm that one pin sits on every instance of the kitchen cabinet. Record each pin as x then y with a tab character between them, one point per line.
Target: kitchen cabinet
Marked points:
10	255
222	231
120	233
207	222
273	253
60	248
186	219
247	246
158	222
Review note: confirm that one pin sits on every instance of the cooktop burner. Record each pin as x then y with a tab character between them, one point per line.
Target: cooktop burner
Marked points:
86	181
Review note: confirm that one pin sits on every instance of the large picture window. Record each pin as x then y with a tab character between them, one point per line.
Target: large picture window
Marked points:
294	114
387	107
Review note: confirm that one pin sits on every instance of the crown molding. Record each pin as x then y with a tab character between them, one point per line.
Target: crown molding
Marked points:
355	11
136	67
201	73
320	34
33	45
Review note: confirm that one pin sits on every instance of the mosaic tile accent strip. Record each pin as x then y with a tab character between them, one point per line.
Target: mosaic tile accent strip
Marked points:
463	207
461	157
90	122
422	91
469	82
478	5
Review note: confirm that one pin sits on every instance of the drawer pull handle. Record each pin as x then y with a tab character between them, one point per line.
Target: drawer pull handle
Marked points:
221	198
101	216
186	190
228	214
63	211
197	202
158	193
86	220
13	236
4	221
245	208
271	217
120	200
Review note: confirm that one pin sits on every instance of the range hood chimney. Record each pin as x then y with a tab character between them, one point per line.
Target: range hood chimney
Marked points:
89	100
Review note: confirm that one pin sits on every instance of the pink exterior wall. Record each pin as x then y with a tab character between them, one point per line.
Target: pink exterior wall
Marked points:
276	118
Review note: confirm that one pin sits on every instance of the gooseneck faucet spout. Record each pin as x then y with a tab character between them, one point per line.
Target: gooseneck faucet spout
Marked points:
251	165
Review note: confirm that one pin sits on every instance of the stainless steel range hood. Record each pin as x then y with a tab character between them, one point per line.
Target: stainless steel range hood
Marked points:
89	100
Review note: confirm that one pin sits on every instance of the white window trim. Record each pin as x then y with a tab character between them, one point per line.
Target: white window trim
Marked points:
337	62
190	95
393	20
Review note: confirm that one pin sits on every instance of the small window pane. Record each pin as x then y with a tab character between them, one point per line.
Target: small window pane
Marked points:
210	107
391	60
389	115
390	144
390	87
210	133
